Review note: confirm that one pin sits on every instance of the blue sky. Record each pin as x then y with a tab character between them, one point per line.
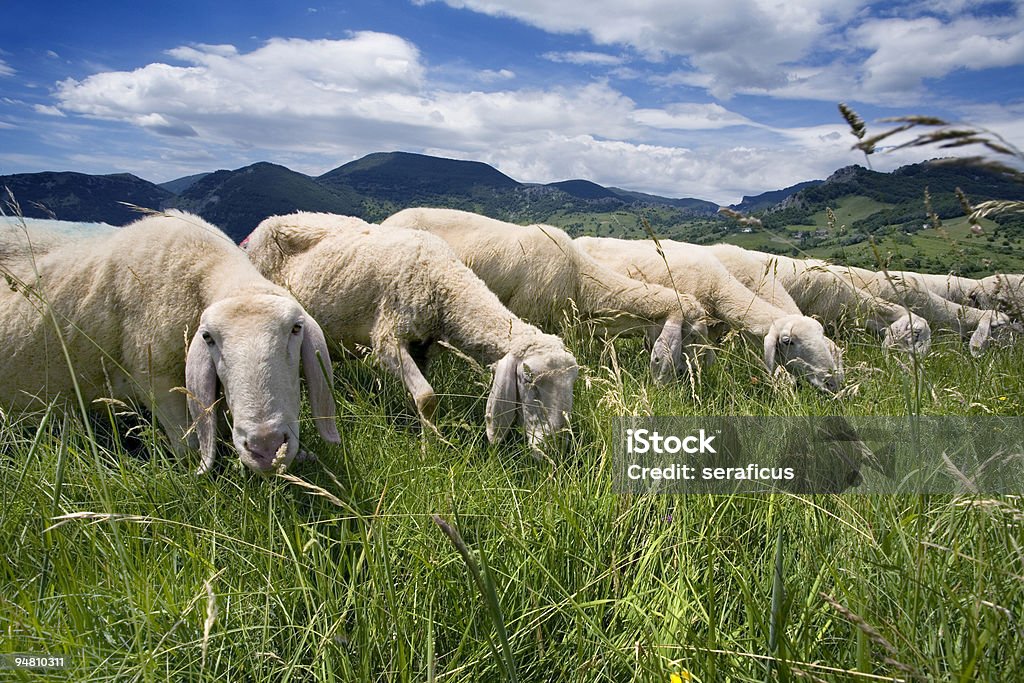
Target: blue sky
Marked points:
705	98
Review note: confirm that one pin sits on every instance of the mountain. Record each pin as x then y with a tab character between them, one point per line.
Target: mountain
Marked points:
379	184
236	201
693	206
408	178
767	200
73	196
584	189
902	191
179	185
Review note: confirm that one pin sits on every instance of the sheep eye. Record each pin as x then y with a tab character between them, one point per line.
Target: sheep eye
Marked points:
296	328
208	338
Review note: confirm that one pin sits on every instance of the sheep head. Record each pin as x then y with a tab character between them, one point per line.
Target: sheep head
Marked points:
910	333
536	391
1000	292
799	344
252	347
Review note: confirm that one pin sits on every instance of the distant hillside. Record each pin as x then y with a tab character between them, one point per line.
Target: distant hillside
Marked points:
870	210
73	196
179	185
903	189
236	201
404	177
584	189
767	200
861	217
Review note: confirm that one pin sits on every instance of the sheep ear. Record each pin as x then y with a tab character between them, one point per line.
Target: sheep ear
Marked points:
502	403
319	379
668	344
982	336
201	385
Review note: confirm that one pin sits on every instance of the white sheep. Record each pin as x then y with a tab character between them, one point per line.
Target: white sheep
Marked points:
166	301
542	276
392	289
791	339
1002	292
983	326
819	292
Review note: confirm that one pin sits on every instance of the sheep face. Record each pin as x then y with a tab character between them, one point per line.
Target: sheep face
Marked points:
252	346
799	344
910	334
536	392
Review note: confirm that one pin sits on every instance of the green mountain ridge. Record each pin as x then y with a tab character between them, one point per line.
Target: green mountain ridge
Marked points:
870	208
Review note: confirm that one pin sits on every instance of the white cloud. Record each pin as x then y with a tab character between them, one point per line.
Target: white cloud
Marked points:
312	104
690	116
584	58
47	110
736	43
6	69
368	90
907	51
492	76
817	49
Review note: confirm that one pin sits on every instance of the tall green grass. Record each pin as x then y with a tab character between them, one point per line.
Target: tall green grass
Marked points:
136	570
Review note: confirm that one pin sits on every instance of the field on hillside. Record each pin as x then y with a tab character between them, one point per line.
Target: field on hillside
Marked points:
951	247
130	567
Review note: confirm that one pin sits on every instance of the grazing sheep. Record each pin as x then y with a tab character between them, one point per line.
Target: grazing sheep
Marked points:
793	340
984	326
817	291
1001	292
392	289
164	302
542	276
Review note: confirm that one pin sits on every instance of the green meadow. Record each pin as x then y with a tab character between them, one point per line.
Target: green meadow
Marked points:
120	560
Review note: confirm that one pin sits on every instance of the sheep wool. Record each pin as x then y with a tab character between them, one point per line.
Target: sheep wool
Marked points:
397	291
166	302
791	339
541	275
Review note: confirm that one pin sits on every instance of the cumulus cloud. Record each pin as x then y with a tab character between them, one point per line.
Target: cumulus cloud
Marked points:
904	52
363	93
312	104
737	44
817	49
690	116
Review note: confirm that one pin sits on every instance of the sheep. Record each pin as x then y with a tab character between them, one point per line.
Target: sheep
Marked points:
393	289
905	289
791	339
135	313
542	277
819	292
999	292
1002	292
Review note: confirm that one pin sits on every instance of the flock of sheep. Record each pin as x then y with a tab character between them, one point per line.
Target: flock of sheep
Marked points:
170	313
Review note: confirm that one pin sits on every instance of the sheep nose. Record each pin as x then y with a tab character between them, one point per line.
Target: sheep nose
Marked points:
265	442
